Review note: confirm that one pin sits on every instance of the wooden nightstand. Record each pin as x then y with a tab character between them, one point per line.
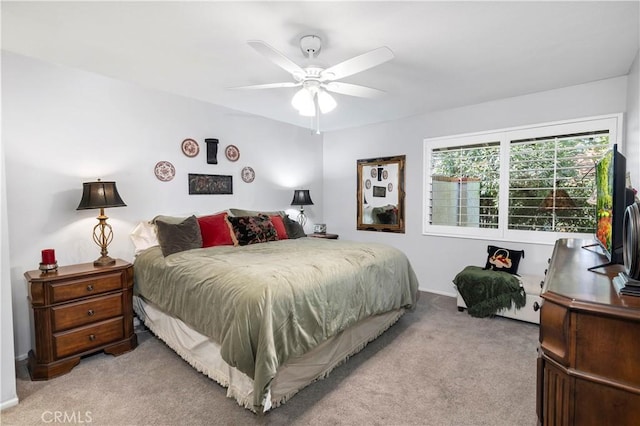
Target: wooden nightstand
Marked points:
78	310
326	236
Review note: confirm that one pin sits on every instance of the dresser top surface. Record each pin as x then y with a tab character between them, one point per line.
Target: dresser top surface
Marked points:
569	276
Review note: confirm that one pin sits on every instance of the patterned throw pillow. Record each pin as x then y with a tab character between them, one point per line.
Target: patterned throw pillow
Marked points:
502	259
253	229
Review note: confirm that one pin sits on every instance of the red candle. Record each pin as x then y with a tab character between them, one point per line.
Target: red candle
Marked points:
48	256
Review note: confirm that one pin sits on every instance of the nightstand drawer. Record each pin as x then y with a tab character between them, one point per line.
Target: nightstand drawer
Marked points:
85	338
82	313
85	287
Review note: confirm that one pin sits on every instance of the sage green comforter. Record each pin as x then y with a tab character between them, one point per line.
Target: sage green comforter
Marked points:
266	303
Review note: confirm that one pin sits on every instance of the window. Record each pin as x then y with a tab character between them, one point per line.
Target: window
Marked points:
464	185
551	182
532	184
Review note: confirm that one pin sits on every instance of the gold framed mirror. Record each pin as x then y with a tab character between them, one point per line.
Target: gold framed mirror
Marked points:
380	194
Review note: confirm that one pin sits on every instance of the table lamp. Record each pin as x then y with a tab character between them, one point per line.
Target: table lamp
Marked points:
101	195
301	198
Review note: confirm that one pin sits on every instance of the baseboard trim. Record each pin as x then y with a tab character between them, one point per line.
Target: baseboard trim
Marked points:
9	403
441	293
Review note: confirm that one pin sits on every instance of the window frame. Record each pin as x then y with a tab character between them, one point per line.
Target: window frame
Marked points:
612	122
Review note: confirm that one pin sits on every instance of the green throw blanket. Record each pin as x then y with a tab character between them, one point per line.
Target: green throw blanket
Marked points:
485	292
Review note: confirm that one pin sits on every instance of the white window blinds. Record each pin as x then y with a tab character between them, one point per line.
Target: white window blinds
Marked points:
465	185
551	182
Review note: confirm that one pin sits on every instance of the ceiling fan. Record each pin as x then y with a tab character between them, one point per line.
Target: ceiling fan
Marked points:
316	81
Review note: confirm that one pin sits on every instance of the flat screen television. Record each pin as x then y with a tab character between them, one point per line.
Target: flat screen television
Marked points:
612	199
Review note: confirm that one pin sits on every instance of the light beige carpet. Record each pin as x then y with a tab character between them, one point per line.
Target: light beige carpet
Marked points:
436	366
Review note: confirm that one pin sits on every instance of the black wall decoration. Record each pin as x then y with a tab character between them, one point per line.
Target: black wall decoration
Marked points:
212	151
210	184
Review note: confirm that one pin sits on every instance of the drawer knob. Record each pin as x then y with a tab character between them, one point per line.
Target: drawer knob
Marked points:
536	306
92	337
90	287
90	312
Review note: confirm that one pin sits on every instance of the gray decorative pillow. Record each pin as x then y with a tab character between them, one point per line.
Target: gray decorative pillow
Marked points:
173	220
174	238
294	229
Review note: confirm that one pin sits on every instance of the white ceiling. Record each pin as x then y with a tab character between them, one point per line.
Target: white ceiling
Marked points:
447	54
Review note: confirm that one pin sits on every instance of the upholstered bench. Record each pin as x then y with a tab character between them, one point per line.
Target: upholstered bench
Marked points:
530	311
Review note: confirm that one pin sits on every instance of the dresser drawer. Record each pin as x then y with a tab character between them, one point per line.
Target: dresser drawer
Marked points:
608	347
82	339
85	287
82	313
555	321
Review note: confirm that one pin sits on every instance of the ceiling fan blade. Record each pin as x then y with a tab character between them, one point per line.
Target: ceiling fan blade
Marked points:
353	90
277	58
269	86
356	64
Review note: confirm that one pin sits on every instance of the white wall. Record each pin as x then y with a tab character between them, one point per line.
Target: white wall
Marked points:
8	395
438	259
63	127
632	129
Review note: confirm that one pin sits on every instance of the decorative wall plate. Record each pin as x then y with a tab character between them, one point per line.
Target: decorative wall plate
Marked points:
385	174
190	148
248	175
390	187
232	153
374	172
367	184
164	171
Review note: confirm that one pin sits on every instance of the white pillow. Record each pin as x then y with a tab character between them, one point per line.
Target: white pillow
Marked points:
144	235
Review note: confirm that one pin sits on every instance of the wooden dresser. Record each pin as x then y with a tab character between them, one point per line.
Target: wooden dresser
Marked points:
79	310
589	360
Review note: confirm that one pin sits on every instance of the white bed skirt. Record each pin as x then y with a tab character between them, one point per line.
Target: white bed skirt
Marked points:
204	354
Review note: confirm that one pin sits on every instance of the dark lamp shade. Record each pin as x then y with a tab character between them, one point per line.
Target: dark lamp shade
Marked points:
301	197
98	195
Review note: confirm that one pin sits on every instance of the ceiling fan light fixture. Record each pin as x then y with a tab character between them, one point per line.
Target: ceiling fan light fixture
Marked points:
302	99
326	102
303	102
308	111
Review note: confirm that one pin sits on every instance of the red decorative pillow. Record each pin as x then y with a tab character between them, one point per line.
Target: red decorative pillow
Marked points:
216	230
281	230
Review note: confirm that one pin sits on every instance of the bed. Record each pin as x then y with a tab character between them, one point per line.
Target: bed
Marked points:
265	320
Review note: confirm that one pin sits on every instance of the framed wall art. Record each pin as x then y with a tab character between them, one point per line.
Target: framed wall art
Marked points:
379	191
210	184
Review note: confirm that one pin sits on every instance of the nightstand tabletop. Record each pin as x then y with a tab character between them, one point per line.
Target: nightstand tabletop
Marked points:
326	236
